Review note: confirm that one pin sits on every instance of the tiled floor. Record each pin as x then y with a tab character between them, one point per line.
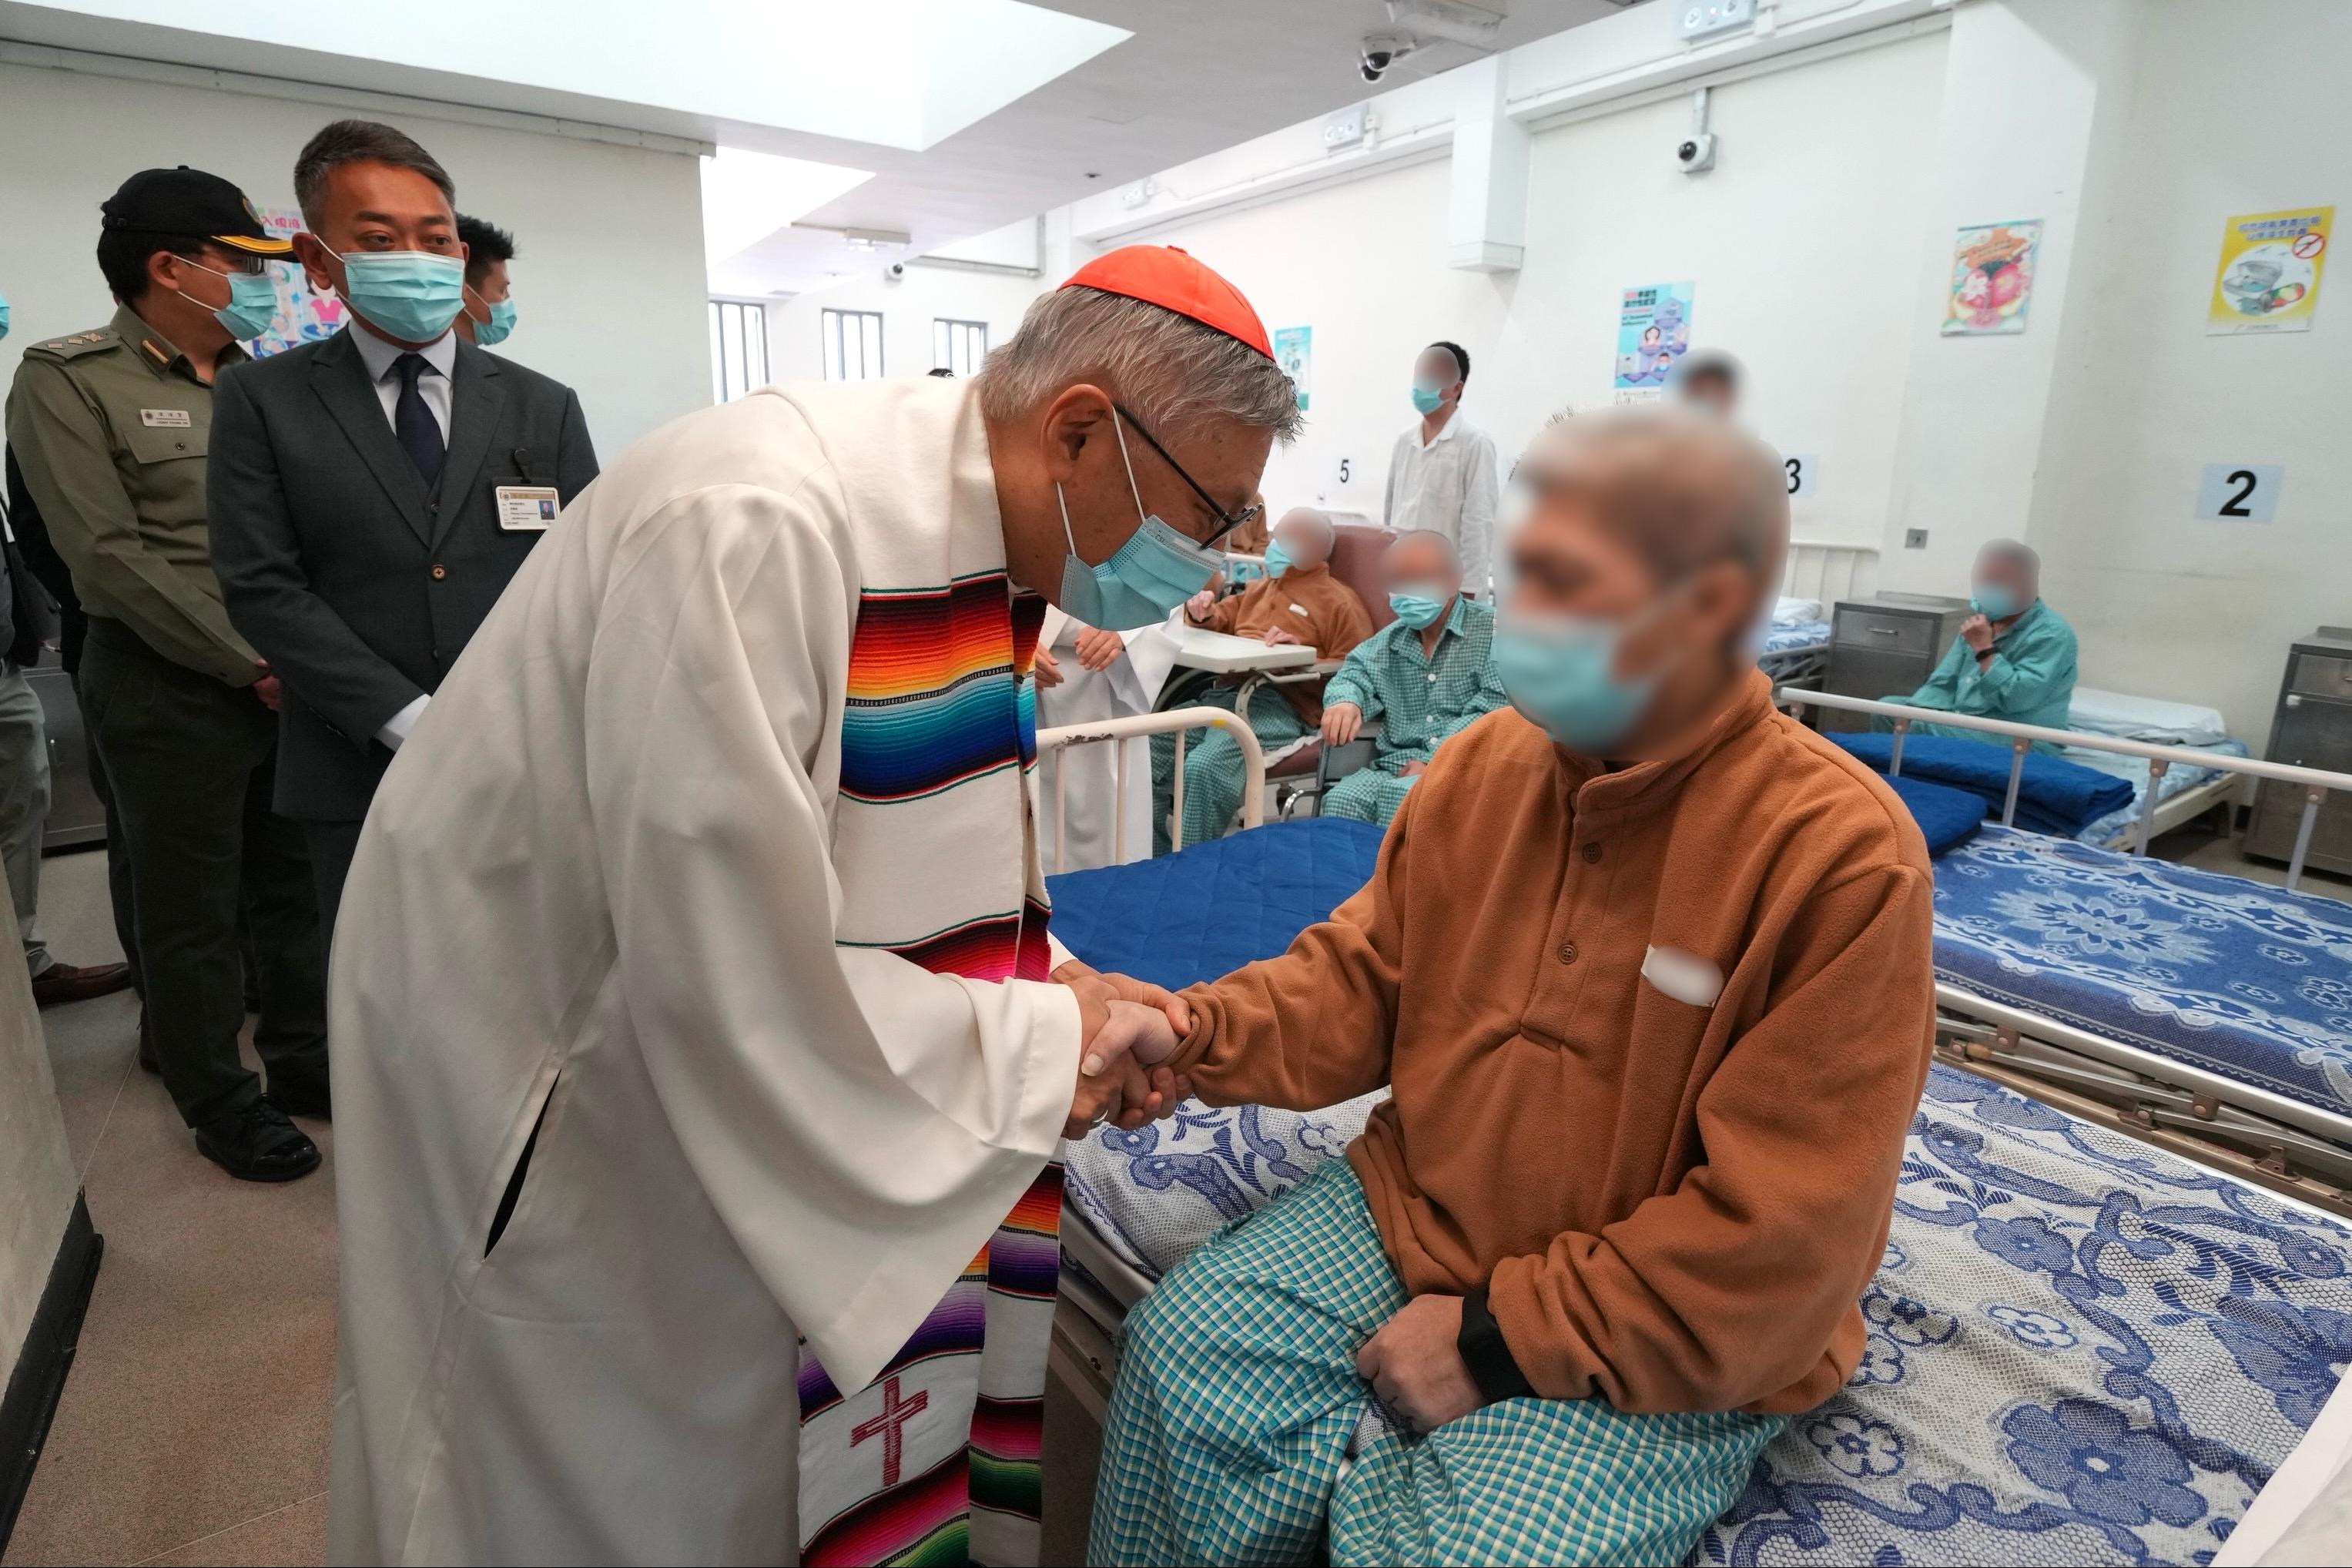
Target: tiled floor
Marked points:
193	1426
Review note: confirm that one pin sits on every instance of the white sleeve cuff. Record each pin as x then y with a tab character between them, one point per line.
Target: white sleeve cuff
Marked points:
396	728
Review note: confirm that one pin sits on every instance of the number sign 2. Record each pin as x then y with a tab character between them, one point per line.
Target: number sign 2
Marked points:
2238	492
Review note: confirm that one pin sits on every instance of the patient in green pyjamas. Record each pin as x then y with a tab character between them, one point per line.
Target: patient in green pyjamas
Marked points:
1420	678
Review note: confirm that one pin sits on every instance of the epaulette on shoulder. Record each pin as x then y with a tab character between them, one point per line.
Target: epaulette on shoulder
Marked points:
76	344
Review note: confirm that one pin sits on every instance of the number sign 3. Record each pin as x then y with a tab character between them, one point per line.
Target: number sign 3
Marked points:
1803	472
2238	492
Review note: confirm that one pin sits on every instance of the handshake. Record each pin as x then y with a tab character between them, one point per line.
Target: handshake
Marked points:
1126	1029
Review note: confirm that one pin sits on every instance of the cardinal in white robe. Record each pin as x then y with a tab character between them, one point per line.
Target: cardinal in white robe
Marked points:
692	1029
1089	820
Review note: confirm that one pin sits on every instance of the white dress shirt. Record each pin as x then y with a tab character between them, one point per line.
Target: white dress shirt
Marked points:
1448	486
383	360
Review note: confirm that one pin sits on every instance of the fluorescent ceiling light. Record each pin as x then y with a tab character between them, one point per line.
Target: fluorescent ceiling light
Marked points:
899	73
747	196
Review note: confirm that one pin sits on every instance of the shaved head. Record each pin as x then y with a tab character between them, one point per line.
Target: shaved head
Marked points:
1308	533
1423	556
1681	488
2014	560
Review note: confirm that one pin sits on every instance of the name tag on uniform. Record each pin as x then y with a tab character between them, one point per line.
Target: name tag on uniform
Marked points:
165	418
1297	610
527	508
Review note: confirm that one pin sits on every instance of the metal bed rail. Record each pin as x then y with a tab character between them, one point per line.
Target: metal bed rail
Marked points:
2315	782
1829	569
1175	721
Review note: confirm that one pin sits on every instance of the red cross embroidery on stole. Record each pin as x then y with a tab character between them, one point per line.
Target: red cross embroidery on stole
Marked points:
890	1424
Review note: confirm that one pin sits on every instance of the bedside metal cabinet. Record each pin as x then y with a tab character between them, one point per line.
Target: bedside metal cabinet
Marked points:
1886	645
74	815
2312	728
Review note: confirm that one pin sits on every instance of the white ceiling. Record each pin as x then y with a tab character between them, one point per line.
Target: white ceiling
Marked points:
1192	77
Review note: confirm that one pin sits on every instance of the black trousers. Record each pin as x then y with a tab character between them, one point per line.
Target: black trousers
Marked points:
191	762
332	844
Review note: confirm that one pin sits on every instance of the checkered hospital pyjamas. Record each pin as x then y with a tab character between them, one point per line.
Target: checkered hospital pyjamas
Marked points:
1237	1393
1213	771
1368	794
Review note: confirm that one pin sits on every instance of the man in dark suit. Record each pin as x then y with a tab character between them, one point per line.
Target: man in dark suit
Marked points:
371	495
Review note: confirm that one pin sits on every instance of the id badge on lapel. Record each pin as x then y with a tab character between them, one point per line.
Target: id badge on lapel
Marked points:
527	509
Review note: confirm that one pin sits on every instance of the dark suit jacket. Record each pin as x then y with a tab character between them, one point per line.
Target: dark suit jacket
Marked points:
357	583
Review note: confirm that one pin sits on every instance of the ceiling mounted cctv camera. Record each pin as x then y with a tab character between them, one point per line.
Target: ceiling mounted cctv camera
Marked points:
1378	51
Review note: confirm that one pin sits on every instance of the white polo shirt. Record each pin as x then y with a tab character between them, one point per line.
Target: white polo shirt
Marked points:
1448	486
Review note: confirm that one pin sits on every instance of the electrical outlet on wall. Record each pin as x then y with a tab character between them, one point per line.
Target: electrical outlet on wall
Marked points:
1696	19
1915	539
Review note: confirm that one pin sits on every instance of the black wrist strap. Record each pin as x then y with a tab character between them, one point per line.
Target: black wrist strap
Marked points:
1488	1354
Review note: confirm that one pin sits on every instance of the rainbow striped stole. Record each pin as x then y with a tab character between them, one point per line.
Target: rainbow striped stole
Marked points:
940	697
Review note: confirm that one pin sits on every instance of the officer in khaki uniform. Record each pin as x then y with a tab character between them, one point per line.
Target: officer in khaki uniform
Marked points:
112	428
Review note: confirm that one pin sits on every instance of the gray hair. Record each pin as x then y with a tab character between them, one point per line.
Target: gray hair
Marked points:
2018	553
359	142
1446	547
1177	374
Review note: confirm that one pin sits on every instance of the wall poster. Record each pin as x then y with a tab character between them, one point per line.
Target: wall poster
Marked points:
1293	350
1653	323
303	316
2268	278
1993	278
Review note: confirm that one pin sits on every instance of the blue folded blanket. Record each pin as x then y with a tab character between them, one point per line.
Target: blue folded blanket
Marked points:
2053	795
1947	818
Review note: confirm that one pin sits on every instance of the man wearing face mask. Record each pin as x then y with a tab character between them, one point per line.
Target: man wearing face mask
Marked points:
1442	472
1425	676
111	427
695	1010
1298	601
2013	659
490	311
373	494
1647	965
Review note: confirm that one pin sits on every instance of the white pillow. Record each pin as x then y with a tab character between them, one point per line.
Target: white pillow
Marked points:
1796	612
2144	719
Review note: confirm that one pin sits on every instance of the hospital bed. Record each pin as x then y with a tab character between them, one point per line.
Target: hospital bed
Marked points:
2093	1336
1819	573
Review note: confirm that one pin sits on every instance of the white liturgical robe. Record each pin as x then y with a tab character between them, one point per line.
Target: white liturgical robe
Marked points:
657	1043
1100	825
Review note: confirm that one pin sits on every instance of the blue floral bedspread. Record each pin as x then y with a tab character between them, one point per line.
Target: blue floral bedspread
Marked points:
2081	1350
2248	981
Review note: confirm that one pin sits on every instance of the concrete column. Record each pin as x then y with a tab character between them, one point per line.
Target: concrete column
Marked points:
1487	217
2037	97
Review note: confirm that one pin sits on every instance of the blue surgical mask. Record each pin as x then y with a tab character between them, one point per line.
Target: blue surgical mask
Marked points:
1419	606
412	295
252	303
489	333
1560	671
1993	602
1146	578
1426	398
3	316
1277	560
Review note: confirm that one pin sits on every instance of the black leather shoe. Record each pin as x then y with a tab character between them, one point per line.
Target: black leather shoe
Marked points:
302	1094
258	1144
147	1062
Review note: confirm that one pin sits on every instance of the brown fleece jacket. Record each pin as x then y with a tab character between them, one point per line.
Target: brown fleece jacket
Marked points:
1674	1201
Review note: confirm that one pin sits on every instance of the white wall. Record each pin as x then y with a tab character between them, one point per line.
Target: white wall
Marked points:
2164	603
909	306
37	1175
608	284
1803	243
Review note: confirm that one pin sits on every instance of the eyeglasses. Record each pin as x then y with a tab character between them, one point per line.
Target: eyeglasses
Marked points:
1231	520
